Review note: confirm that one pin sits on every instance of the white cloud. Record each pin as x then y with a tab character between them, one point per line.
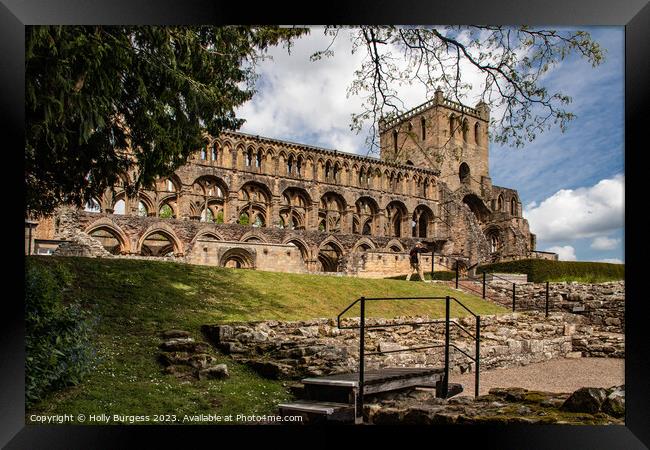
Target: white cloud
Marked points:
611	261
565	252
581	213
604	243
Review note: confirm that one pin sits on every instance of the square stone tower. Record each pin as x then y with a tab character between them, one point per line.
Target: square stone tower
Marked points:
443	135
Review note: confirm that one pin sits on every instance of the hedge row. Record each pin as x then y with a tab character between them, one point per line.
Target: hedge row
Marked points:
539	270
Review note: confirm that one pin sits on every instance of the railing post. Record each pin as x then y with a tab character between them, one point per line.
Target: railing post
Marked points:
445	381
513	296
483	284
456	274
433	253
478	356
547	299
362	325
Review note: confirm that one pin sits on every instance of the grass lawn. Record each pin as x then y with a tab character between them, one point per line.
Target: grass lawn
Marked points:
135	301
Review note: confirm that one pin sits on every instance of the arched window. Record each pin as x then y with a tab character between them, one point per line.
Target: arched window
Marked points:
92	206
395	140
249	158
465	130
494	243
328	170
299	166
170	186
409	163
119	207
513	206
142	210
165	212
464	173
423	125
215	153
452	124
204	154
477	133
290	165
500	203
258	159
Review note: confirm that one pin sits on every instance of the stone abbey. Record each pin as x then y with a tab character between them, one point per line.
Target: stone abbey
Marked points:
256	202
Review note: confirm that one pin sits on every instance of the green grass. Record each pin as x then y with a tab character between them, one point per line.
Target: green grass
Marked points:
539	270
136	300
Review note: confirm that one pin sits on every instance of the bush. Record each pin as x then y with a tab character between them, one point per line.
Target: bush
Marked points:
57	335
540	270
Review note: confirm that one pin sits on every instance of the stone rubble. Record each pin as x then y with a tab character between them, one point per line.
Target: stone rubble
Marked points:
188	359
500	406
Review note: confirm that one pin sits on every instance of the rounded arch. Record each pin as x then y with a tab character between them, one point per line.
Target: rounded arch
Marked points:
331	211
330	254
494	238
151	243
207	234
109	235
237	258
397	218
365	217
301	245
363	245
423	221
395	246
464	173
252	236
296	203
477	206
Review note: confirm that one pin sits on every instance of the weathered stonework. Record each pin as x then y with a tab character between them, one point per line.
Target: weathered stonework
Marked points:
318	347
500	406
602	304
341	212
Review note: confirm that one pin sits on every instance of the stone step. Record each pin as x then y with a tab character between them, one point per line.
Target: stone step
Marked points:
331	411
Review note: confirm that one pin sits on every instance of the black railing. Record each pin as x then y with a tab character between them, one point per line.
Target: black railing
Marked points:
442	387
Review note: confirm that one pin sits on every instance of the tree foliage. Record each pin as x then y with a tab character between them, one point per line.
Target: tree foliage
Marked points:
511	62
129	103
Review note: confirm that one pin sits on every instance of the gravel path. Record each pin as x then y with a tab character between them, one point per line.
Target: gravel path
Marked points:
560	375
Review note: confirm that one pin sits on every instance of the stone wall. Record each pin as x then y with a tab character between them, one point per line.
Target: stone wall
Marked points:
318	347
602	304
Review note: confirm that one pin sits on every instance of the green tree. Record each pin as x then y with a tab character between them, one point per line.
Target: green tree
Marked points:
104	101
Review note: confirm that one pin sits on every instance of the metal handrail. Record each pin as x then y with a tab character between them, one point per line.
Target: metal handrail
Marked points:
443	387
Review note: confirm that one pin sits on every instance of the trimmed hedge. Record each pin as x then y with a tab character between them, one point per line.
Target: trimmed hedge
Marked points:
57	335
540	270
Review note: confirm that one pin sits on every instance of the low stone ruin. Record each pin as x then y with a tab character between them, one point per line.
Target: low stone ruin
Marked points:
586	406
188	359
293	350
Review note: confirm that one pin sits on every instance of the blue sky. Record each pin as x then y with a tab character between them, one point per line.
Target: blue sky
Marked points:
571	184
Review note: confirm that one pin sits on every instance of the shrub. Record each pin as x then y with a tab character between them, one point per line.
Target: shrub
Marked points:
57	335
539	270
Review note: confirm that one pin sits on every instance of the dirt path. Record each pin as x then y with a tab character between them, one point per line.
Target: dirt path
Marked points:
560	375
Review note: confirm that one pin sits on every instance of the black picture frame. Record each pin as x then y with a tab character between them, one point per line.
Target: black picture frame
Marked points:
634	15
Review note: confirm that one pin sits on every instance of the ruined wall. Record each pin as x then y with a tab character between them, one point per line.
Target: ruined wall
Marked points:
601	304
317	347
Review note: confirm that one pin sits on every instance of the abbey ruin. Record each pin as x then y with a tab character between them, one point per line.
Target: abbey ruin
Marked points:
256	202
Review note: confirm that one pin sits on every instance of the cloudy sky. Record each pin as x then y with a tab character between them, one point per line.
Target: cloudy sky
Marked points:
571	184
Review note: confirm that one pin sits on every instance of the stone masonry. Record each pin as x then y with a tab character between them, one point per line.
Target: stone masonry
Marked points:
318	347
255	202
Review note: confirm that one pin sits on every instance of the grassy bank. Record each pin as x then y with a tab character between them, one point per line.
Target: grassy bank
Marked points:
539	270
135	301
